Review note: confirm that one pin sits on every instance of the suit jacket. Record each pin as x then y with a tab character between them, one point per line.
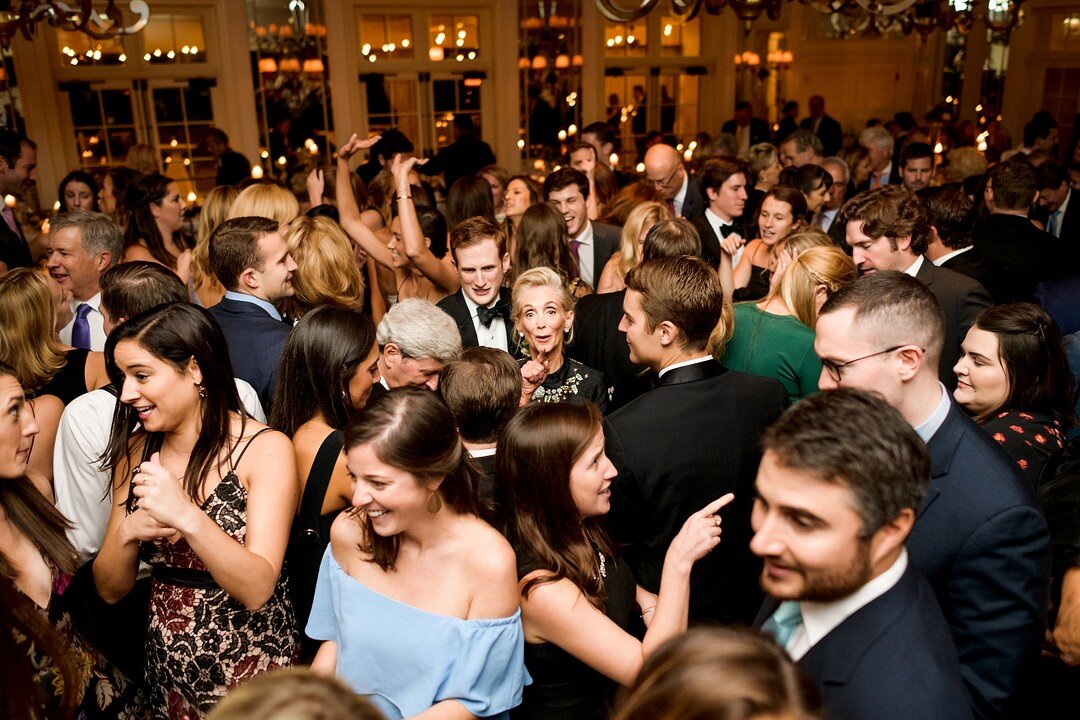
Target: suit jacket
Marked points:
599	344
981	540
255	343
892	659
1018	256
455	306
694	203
968	263
963	300
837	232
710	242
894	179
829	132
14	252
605	244
759	130
677	448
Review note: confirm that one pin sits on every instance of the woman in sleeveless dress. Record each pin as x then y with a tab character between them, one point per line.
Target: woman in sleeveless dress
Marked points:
328	367
579	601
205	496
781	213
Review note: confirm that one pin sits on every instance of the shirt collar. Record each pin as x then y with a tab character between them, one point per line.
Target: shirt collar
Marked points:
94	303
950	255
819	619
473	306
684	363
716	221
926	429
1063	206
244	297
916	266
680	197
586	236
485	452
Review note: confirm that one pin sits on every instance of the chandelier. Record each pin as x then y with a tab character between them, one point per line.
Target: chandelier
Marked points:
23	16
851	17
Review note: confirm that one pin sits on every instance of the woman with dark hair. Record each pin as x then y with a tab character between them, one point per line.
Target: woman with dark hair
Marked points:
328	367
469	196
417	600
155	217
78	191
544	241
813	181
578	599
497	179
720	674
781	213
113	189
1014	380
45	672
522	192
210	518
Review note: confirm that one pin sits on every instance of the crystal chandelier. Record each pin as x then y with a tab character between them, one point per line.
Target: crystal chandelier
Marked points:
24	16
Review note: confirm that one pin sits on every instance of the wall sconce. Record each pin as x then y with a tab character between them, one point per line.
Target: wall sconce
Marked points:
268	66
523	63
781	59
562	61
314	66
539	62
747	60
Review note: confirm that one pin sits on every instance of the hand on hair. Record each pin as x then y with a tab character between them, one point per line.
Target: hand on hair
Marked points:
784	258
355	145
732	243
699	534
161	495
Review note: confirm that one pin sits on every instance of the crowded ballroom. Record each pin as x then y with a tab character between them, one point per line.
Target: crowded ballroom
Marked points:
539	359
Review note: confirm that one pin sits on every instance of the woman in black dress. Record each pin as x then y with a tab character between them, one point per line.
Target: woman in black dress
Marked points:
578	600
328	367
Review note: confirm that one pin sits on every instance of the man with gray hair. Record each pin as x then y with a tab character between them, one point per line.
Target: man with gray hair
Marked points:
80	247
801	147
415	339
879	142
825	218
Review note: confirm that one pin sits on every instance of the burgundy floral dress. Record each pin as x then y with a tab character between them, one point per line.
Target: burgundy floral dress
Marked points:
1029	438
202	641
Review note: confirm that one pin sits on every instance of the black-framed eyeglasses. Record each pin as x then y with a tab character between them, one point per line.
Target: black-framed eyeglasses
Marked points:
666	182
836	370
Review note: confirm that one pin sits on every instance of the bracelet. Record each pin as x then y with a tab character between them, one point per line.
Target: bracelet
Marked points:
403	197
647	610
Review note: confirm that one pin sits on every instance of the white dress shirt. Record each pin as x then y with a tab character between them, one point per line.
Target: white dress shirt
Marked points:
926	429
680	197
950	255
586	271
827	218
913	270
93	318
493	336
717	224
820	619
684	363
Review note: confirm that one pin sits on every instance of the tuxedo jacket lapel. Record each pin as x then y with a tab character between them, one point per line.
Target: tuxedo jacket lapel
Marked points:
691	373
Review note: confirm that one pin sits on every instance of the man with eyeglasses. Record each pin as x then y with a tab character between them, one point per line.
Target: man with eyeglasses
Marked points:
980	537
665	172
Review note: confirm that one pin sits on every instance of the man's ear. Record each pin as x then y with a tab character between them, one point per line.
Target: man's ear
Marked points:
391	353
506	263
903	243
250	279
668	333
103	261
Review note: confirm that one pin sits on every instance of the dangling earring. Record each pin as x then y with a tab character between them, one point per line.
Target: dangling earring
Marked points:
203	392
434	503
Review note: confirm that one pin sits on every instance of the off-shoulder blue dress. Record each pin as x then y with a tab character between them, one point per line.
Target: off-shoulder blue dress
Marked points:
406	660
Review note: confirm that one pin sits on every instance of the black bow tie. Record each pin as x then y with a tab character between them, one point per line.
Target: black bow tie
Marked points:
726	230
485	314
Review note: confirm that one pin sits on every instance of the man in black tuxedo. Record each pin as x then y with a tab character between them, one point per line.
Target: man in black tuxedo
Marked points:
747	129
1017	254
467	155
839	482
592	243
18	170
724	181
250	258
482	388
664	170
824	126
598	340
481	307
889	229
690	440
951	221
233	167
980	537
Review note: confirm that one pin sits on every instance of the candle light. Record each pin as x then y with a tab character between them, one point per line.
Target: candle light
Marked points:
257	172
9	200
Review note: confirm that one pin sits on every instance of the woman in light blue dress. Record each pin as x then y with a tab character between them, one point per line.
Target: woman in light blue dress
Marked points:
417	598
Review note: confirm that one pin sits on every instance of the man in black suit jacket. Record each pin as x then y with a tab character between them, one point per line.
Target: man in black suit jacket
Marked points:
824	126
1057	209
951	219
481	307
839	481
593	244
250	258
724	181
467	155
889	229
18	169
747	129
689	441
980	537
664	171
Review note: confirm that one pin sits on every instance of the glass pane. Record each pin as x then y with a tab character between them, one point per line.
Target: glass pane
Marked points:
172	39
678	38
117	104
628	115
85	109
1064	32
168	106
626	39
454	37
197	101
392	103
120	141
386	37
79	49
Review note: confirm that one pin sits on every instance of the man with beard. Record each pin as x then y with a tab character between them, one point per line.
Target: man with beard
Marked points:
837	489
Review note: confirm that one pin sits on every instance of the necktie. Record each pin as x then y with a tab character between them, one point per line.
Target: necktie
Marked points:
784	622
726	230
671	206
9	218
1052	223
487	314
80	331
574	245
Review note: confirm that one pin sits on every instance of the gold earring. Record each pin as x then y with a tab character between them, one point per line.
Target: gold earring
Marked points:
434	503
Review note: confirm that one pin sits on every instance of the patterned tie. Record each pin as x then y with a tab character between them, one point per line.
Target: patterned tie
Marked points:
1052	223
80	331
784	622
574	245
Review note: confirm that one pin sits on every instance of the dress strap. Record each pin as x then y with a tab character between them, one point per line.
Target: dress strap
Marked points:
234	463
318	481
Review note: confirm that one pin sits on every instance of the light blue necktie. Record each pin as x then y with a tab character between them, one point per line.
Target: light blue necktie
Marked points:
80	331
784	622
1052	223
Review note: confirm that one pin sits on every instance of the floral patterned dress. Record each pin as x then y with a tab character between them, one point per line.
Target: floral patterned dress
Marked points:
573	383
1029	438
202	641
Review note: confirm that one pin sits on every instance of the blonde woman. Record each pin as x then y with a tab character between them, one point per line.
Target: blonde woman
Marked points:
206	290
326	270
543	313
775	337
268	201
638	224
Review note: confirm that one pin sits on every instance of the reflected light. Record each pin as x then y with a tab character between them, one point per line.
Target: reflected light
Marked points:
257	172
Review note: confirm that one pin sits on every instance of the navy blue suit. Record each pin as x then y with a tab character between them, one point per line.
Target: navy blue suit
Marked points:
255	343
891	660
982	542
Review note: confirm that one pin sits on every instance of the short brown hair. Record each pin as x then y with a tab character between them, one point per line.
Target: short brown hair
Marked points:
295	693
234	247
891	212
718	169
951	212
482	388
133	287
671	238
1013	184
473	231
682	290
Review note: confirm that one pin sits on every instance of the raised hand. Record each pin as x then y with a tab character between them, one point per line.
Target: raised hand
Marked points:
400	167
699	534
355	145
533	374
316	183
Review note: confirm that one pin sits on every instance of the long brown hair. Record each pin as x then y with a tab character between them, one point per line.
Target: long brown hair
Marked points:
411	429
27	328
537	513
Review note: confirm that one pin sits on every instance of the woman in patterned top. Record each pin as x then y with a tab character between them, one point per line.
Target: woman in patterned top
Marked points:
543	315
1015	381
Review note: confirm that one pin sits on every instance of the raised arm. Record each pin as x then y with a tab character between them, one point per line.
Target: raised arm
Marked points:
349	211
412	237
